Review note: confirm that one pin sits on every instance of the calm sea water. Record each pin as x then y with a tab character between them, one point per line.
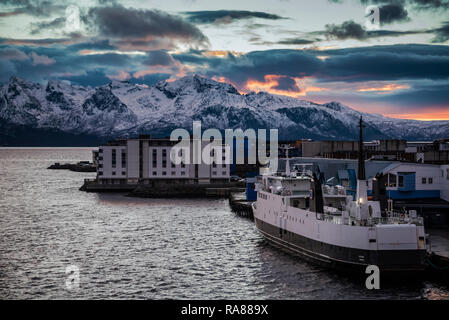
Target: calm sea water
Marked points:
144	248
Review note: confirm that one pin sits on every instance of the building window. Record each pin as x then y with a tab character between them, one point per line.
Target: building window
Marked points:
214	173
100	173
154	173
430	180
224	165
123	159
447	174
173	165
113	173
173	173
154	158
164	153
223	173
400	181
123	173
423	180
164	163
183	173
183	165
114	158
214	165
164	173
100	165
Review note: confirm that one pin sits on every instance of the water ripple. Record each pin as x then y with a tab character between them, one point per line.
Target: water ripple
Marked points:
143	248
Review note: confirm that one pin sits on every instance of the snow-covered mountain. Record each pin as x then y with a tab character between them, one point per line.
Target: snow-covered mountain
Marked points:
122	109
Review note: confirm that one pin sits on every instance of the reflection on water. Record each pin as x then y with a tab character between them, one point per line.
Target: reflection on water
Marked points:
144	248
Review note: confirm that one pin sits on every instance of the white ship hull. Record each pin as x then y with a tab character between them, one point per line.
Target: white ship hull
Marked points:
398	247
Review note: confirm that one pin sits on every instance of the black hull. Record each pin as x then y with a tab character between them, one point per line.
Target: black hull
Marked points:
343	258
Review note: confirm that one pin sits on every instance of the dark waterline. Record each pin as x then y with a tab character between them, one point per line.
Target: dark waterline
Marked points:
144	248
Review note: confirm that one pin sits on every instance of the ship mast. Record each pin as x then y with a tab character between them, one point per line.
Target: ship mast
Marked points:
361	173
362	196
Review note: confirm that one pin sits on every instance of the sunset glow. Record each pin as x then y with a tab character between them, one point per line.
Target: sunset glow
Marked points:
385	89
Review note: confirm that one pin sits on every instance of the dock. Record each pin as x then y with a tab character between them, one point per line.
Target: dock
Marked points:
240	206
82	166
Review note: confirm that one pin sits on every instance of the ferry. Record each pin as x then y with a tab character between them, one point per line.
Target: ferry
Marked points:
294	211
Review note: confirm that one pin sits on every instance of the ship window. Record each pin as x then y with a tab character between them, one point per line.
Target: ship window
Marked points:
401	181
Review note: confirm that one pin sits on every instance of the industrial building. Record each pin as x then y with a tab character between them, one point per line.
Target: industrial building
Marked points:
433	152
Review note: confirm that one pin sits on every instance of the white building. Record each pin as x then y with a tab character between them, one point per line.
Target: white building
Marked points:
148	161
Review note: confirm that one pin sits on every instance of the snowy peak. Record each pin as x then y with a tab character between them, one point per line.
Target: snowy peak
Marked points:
121	108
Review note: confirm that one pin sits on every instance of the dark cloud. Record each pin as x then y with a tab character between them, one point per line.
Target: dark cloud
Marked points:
442	33
296	41
227	16
255	65
36	42
416	4
387	63
353	30
38	27
347	30
287	84
12	54
392	33
142	25
39	8
92	45
394	12
161	58
380	63
421	95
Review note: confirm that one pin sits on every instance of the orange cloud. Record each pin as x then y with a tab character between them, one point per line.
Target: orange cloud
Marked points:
269	85
385	89
429	115
221	53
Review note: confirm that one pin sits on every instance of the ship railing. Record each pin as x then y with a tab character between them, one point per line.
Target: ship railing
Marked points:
370	222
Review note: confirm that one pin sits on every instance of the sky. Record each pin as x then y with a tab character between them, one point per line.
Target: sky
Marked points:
321	50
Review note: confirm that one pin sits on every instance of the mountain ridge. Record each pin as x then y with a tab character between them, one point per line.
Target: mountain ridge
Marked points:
123	109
